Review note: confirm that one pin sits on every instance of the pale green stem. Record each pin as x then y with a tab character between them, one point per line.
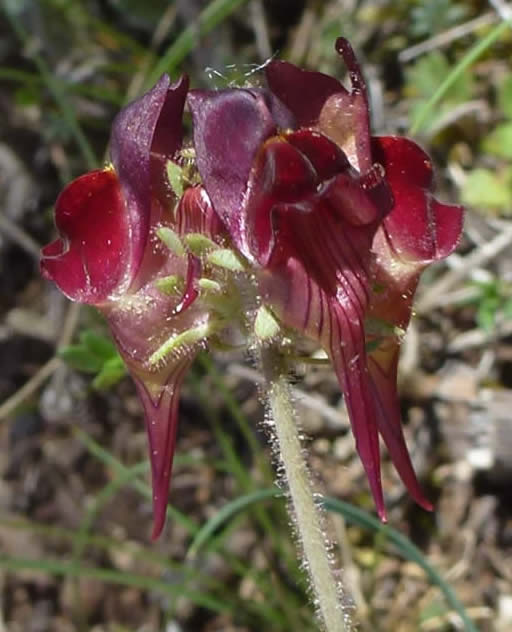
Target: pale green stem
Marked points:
305	512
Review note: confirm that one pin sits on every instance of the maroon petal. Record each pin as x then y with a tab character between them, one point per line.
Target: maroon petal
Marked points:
159	395
144	326
195	214
383	367
341	115
335	318
290	84
229	128
89	262
316	273
292	173
419	229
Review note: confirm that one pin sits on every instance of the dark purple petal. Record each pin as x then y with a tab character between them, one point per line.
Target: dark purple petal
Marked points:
316	273
317	284
303	92
134	138
229	128
89	262
321	102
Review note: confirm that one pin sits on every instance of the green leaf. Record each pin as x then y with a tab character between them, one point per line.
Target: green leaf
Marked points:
100	345
228	512
434	16
505	97
81	359
486	314
507	309
110	576
485	189
499	141
112	371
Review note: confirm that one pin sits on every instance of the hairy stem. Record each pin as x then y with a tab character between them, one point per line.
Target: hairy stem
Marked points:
305	512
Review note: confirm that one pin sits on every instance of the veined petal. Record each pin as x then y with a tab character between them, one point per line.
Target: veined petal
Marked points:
158	335
336	322
88	261
291	176
383	367
195	214
159	394
316	281
229	128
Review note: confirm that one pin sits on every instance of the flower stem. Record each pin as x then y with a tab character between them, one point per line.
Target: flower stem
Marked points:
305	512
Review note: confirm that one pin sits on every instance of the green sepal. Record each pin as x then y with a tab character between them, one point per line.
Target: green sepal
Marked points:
266	325
171	240
226	258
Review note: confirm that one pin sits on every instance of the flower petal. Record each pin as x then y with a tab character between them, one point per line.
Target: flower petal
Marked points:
158	336
290	84
340	114
147	130
383	367
419	229
195	214
294	172
229	128
159	395
336	320
316	272
88	262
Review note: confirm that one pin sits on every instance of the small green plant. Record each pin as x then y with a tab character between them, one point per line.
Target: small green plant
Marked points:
95	354
491	189
431	17
493	301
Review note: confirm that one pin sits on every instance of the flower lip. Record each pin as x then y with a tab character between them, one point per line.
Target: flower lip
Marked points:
104	217
419	229
86	261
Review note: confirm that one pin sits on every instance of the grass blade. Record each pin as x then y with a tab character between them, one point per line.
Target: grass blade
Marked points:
227	512
353	515
469	58
110	576
406	549
121	470
59	94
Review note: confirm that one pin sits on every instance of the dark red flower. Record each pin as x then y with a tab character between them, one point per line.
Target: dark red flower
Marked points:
284	202
109	254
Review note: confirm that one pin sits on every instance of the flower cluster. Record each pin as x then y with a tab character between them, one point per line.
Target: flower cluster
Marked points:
282	213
